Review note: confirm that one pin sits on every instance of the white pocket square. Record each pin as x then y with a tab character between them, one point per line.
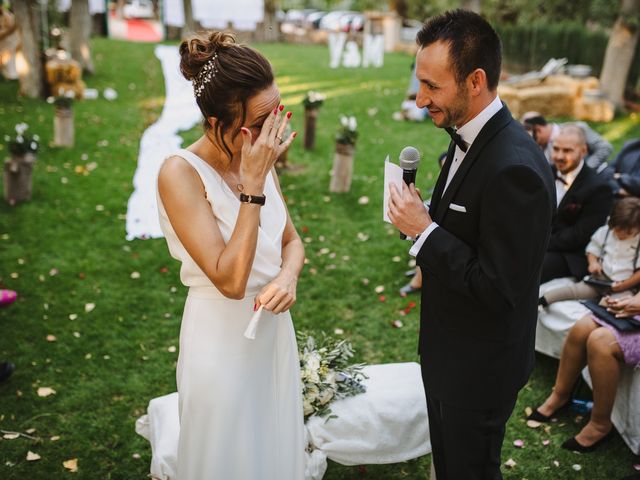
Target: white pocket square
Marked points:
457	208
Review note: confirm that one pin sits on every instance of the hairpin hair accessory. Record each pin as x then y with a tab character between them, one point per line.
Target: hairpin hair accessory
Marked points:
205	75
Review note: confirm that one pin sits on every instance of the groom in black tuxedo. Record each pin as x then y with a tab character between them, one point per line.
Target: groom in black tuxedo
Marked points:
480	247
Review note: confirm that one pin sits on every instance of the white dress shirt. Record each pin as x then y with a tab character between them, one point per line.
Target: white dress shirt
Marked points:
617	262
569	178
469	131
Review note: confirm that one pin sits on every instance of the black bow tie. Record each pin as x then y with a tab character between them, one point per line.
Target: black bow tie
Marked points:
560	179
457	139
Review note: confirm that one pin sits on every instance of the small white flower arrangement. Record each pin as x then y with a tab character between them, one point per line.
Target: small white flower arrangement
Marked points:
348	132
313	100
23	142
63	99
326	373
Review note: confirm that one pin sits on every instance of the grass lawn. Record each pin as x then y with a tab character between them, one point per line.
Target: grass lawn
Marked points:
66	249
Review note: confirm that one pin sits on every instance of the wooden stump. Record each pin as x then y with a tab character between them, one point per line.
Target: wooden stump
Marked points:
342	168
63	129
310	115
17	178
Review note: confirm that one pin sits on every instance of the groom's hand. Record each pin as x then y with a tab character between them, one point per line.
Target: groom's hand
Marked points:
407	211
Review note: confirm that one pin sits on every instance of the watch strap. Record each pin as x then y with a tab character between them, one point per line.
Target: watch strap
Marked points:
257	199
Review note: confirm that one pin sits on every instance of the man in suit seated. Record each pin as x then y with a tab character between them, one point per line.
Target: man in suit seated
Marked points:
545	133
584	201
626	167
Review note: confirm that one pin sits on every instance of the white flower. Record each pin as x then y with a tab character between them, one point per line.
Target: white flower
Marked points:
70	94
313	392
34	146
36	138
21	128
313	361
344	121
19	139
308	408
326	396
7	138
110	94
311	375
50	100
331	378
353	124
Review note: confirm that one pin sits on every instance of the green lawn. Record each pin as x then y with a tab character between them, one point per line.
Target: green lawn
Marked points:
67	248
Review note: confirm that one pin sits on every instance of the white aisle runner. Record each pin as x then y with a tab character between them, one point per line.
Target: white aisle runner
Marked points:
180	112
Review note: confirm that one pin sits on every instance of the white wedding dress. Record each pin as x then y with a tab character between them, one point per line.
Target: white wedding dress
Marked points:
240	404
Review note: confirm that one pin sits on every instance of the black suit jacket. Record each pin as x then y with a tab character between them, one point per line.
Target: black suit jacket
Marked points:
582	210
482	268
627	164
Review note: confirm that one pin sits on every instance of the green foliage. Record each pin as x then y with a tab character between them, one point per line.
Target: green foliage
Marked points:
121	357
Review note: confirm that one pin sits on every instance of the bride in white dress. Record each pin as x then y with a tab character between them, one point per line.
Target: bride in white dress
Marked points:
224	218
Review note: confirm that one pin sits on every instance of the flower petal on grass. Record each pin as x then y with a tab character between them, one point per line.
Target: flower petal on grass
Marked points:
518	443
510	463
379	289
45	391
11	436
71	464
88	307
576	467
533	424
31	456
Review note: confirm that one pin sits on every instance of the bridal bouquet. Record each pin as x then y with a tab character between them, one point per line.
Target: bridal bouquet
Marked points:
326	373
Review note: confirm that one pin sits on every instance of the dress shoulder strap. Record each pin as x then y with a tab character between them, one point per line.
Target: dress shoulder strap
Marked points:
211	179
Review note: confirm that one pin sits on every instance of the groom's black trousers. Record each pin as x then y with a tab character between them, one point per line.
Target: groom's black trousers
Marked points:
466	443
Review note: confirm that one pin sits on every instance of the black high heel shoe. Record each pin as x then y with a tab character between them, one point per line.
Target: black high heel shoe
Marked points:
539	417
573	445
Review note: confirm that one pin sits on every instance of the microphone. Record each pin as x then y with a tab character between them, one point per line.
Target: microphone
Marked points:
409	161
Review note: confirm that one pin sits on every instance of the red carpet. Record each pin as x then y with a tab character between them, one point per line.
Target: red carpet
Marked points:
142	31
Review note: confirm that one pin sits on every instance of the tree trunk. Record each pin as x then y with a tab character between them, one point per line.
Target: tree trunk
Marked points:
401	7
189	23
17	178
81	34
30	70
268	30
620	51
342	168
473	5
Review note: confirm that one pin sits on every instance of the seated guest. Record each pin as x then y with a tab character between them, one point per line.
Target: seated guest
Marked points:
612	257
545	133
626	166
584	201
602	348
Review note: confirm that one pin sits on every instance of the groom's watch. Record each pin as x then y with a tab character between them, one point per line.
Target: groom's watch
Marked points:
257	199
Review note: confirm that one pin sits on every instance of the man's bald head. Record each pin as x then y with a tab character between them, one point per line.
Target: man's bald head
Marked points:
569	148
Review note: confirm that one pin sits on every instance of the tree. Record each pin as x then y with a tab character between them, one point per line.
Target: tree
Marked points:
620	51
269	30
80	21
473	5
30	71
190	26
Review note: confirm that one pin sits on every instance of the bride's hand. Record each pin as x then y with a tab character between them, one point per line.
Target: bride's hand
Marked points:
259	157
279	295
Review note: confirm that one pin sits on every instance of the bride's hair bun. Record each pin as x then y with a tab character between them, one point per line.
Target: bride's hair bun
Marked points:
225	75
198	50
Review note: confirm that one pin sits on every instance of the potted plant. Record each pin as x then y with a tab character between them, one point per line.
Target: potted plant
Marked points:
312	103
346	137
18	167
63	127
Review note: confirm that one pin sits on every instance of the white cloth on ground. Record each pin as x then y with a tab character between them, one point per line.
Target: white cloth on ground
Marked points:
386	424
553	325
180	112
